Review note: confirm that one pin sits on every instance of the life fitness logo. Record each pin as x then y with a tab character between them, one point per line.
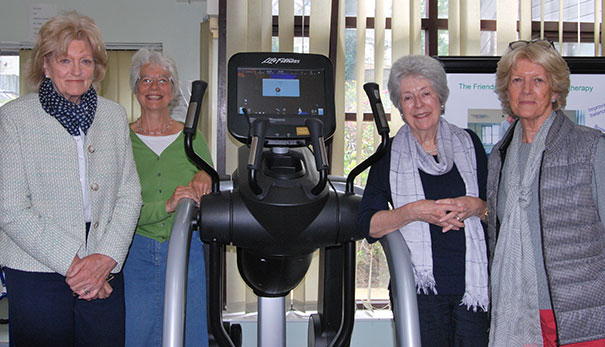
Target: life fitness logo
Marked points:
273	61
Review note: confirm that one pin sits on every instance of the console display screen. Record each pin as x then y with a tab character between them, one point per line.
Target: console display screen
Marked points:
286	89
281	92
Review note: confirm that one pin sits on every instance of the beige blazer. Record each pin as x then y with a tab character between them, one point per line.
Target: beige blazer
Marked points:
42	223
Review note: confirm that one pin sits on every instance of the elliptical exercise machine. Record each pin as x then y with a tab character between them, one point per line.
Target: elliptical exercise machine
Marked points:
281	206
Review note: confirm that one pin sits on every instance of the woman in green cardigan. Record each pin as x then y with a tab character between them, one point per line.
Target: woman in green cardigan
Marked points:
166	176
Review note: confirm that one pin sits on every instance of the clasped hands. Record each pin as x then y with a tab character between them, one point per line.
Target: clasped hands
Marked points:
450	213
88	277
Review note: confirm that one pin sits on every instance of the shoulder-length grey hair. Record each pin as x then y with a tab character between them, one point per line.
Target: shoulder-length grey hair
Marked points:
146	56
421	66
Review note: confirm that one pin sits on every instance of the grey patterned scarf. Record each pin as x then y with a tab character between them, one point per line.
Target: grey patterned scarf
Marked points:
515	311
454	145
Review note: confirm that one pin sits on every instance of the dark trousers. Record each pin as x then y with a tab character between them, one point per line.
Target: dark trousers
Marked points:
44	312
444	322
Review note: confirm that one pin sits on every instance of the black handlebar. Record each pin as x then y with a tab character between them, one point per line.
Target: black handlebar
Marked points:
259	130
198	88
315	127
373	92
382	126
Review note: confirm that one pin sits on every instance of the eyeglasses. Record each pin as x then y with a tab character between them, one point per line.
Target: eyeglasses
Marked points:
148	80
546	44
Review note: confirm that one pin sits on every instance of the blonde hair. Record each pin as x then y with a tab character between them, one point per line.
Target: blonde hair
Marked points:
56	35
546	56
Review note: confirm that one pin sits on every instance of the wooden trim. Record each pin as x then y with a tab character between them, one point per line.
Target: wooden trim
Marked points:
432	29
221	126
332	56
432	26
367	117
334	33
298	22
570	31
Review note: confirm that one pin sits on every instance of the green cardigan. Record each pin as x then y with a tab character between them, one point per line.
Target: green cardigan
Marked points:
159	178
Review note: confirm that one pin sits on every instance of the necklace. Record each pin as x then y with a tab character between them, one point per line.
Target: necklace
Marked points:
432	151
143	131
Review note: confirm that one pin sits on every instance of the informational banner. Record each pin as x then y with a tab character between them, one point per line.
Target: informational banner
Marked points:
473	104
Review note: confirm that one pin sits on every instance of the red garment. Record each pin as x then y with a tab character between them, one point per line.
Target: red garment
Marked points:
549	333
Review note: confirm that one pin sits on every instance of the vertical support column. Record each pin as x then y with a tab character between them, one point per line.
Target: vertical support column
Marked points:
271	321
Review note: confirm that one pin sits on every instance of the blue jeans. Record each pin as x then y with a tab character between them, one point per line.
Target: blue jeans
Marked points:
44	312
144	274
444	322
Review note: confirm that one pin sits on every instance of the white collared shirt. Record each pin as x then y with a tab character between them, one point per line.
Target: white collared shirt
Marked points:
83	170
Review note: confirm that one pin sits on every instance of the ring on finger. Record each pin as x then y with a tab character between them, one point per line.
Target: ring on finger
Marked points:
458	218
86	291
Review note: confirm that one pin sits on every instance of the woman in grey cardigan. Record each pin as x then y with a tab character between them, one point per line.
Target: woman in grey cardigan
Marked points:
69	195
546	193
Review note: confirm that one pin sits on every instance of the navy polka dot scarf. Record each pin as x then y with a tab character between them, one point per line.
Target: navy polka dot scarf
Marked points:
72	116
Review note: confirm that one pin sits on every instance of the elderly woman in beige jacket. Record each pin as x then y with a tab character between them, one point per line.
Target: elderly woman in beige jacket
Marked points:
69	195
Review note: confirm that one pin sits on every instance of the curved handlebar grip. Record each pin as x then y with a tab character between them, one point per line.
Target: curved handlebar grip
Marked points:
382	126
259	129
373	91
198	88
315	127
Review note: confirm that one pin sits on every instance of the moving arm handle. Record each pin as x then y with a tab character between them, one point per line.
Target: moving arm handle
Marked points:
315	127
259	131
198	88
215	290
343	336
382	126
373	92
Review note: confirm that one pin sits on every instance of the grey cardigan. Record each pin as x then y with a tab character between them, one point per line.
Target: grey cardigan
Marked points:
573	236
42	223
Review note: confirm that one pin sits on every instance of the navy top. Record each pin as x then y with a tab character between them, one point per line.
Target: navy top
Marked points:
448	248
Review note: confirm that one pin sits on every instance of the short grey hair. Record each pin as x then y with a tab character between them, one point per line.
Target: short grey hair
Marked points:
146	56
419	66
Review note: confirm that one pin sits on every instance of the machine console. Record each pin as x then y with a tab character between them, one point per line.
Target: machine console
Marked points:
285	88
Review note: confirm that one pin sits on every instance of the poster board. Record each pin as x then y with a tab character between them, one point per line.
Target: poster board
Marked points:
473	103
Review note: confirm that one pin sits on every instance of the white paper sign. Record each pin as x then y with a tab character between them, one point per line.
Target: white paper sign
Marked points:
38	15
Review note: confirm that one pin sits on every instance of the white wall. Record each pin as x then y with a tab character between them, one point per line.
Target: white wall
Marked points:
175	25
